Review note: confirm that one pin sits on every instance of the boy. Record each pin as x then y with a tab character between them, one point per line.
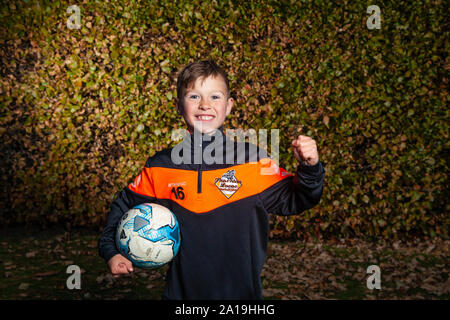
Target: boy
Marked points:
222	207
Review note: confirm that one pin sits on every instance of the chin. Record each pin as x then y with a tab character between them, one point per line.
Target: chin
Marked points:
207	130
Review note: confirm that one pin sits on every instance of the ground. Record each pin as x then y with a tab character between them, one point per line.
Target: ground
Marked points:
33	265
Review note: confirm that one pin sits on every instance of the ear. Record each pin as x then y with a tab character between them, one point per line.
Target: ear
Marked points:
230	105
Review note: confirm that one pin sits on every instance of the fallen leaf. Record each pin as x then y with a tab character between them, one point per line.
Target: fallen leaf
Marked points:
24	286
30	254
45	274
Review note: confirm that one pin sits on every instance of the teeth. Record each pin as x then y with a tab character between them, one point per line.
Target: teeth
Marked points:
205	117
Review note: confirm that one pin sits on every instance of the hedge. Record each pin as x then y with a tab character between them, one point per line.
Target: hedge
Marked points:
82	109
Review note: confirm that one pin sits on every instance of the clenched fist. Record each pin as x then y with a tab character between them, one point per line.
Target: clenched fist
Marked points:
305	150
118	265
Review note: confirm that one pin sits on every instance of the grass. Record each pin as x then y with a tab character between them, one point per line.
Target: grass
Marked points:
34	264
296	270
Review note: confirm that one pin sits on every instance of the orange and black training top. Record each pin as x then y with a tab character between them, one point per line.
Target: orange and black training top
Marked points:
222	207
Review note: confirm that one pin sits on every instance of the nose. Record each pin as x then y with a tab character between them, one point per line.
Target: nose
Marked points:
204	105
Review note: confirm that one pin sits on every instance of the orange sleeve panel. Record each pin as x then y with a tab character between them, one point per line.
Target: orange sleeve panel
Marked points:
219	187
143	183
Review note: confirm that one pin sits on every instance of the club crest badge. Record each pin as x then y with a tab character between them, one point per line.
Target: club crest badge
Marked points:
228	184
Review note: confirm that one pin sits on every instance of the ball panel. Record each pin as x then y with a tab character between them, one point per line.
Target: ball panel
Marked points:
140	222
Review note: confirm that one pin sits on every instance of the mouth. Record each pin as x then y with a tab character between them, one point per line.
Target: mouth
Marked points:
204	117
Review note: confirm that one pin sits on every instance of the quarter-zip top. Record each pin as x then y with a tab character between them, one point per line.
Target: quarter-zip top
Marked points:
223	213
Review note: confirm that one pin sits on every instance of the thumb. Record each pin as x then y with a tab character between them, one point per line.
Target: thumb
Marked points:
129	266
296	154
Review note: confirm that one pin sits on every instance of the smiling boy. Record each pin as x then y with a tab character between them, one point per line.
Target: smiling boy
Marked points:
224	208
206	104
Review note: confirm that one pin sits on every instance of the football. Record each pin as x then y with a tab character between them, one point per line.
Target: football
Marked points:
148	235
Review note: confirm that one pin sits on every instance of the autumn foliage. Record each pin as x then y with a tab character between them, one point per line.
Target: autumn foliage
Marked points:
82	109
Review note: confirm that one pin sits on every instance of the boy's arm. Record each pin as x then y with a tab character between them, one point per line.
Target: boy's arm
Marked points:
293	195
140	191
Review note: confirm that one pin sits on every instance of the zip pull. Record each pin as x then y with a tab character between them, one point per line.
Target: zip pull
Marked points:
199	179
199	171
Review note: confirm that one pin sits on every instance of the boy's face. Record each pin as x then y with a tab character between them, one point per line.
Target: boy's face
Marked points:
206	104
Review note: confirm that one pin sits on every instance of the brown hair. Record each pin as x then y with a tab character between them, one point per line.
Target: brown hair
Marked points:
195	70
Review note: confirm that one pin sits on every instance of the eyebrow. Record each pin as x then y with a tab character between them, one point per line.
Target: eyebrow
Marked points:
195	91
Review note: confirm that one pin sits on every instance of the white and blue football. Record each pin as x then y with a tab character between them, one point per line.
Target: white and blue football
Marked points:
148	235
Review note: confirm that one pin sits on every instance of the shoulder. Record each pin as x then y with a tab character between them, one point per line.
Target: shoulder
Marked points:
160	159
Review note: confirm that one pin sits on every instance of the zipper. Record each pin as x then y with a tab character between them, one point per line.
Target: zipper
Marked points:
199	179
199	171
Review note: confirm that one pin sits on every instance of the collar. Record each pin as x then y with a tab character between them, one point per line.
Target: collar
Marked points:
196	139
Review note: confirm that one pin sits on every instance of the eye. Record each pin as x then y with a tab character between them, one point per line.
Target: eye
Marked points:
193	96
215	97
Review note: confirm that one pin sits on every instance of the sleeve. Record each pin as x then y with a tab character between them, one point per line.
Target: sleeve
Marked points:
139	191
295	193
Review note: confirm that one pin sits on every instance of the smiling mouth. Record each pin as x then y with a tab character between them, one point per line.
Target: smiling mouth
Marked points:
204	117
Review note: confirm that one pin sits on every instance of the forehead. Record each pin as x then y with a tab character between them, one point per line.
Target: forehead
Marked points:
208	83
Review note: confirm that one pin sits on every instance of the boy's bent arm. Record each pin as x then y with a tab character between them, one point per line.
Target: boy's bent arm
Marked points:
107	245
294	195
140	191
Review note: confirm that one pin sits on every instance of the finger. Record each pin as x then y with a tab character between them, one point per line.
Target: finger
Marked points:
116	273
309	155
296	154
299	140
307	145
304	139
121	268
308	150
129	267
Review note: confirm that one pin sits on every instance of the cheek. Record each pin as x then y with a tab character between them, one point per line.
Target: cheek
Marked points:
220	106
223	111
189	108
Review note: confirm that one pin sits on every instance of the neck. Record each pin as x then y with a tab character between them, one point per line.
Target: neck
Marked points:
210	133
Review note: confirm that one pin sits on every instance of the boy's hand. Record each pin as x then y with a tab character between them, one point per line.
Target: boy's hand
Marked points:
305	150
118	265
